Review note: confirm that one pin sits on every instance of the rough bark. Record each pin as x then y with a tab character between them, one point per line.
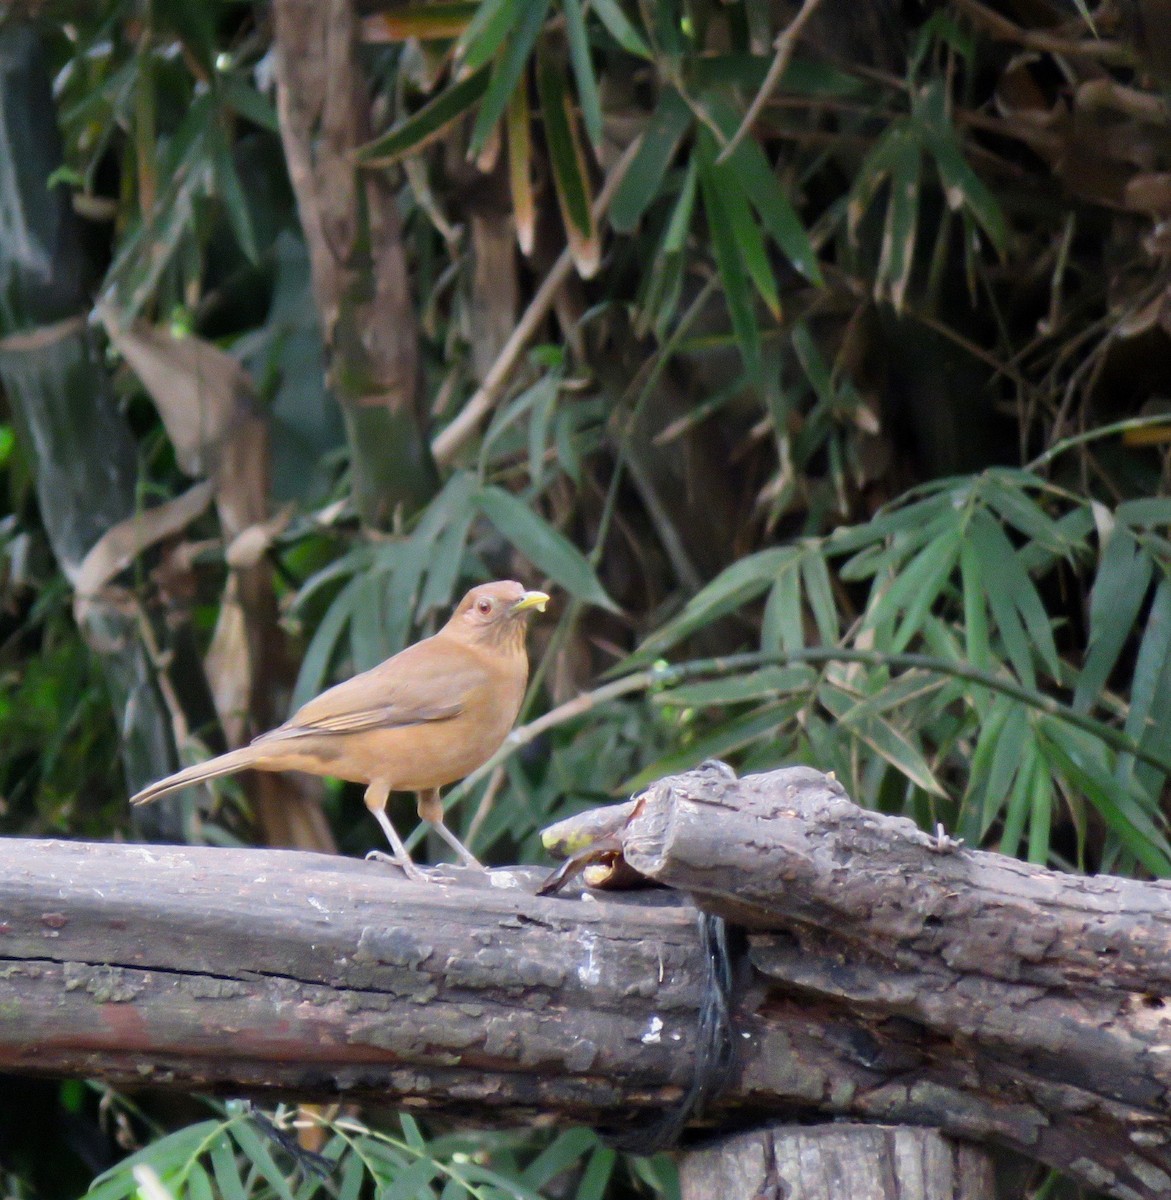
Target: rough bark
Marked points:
885	978
241	970
996	993
829	1162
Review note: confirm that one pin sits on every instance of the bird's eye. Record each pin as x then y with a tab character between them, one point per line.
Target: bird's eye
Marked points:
484	606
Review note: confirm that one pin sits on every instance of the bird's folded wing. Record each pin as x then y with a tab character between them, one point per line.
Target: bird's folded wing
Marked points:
410	689
368	718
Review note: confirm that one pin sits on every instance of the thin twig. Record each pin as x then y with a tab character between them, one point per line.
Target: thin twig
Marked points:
487	800
784	46
463	426
1159	420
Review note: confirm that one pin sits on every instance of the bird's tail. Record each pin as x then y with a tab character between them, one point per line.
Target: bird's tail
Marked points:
224	764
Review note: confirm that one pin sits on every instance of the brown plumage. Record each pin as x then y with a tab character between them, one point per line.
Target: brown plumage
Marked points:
426	717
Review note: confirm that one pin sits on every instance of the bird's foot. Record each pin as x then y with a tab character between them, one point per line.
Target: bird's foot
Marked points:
408	868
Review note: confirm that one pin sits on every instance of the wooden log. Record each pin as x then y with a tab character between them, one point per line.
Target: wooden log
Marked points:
1039	999
864	988
836	1162
245	970
1071	975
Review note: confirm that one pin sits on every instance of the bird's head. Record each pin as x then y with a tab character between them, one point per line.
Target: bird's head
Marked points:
496	613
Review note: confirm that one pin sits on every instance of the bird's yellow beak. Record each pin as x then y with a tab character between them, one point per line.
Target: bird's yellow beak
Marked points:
536	600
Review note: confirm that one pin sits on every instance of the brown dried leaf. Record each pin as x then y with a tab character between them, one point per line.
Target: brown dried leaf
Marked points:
118	547
201	393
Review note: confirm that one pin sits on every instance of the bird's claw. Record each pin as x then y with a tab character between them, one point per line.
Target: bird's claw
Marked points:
408	868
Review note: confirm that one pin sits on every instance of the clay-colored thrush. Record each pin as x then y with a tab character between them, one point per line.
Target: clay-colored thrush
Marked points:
426	717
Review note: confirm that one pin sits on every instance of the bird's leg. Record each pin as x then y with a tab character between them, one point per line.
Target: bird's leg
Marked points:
376	796
431	811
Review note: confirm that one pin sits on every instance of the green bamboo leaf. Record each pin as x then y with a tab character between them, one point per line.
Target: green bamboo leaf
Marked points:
564	1152
1145	513
901	692
971	825
783	625
1148	720
412	1182
644	177
1008	752
242	98
803	77
1008	587
583	71
112	1185
747	235
675	236
732	588
871	176
549	550
914	588
368	642
1074	529
478	44
1078	756
322	647
440	545
226	1169
570	176
199	1183
977	644
1041	816
814	366
1008	498
472	1174
1119	591
888	742
508	69
168	1154
1019	805
610	13
429	123
353	1176
751	170
658	299
917	521
257	1152
411	1132
403	600
595	1179
819	595
723	740
728	260
962	187
925	578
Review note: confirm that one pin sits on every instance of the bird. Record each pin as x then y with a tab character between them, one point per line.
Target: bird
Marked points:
425	717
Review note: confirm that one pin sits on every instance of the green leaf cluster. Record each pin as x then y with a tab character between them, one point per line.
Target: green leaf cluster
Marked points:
234	1158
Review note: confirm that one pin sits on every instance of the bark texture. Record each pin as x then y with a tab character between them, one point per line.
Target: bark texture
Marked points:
356	254
833	1162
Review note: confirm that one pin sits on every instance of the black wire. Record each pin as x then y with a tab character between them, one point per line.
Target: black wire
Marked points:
309	1162
715	1048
